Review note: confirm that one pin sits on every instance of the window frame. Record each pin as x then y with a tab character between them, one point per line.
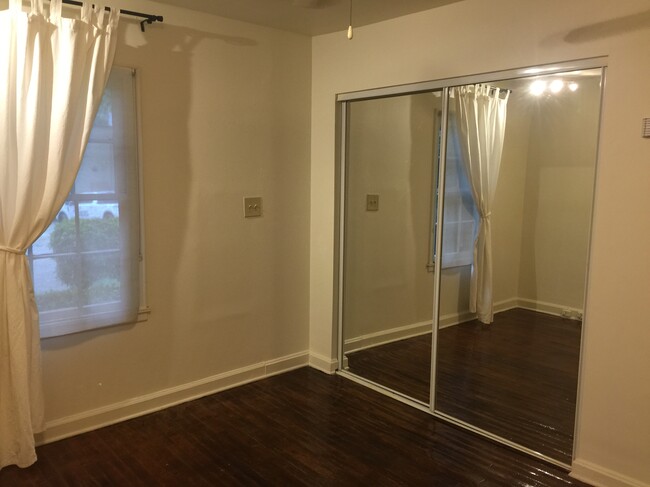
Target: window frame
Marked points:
59	324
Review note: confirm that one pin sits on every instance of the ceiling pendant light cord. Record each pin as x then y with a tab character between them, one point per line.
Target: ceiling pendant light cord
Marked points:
350	23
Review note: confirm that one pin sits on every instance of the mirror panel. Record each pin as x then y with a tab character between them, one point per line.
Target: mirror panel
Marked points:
517	376
391	165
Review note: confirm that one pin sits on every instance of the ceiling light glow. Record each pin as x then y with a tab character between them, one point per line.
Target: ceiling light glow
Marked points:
573	86
556	85
540	70
537	87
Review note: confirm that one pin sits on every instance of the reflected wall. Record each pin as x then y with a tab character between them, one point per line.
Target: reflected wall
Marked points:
387	285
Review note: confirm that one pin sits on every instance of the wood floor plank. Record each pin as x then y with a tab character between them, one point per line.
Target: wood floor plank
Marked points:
299	428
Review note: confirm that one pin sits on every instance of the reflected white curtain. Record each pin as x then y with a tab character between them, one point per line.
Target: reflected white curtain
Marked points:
52	74
481	123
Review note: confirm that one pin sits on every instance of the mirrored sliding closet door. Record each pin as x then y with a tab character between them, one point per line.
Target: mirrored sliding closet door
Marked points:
520	162
392	154
465	226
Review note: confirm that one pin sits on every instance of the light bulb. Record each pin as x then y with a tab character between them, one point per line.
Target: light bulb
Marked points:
350	34
537	87
556	86
573	86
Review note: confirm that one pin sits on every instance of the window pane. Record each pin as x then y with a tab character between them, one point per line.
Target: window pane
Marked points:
102	275
43	246
63	236
99	209
460	215
99	233
97	173
450	237
466	237
54	283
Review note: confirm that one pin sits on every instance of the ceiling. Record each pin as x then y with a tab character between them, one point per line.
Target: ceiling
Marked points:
310	17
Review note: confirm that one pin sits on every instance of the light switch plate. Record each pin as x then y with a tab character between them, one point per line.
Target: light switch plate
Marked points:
372	202
252	206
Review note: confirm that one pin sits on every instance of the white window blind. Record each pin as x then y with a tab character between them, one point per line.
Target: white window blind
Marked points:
86	265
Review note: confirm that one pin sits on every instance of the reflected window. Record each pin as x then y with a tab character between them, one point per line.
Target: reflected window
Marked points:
460	218
460	213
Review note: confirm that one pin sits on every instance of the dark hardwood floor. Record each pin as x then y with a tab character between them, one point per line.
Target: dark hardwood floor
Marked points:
516	378
300	428
403	366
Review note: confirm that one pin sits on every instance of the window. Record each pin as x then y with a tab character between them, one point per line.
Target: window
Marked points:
460	215
86	265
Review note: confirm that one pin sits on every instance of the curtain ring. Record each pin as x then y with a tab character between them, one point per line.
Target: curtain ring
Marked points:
98	11
16	5
86	12
113	18
55	10
37	7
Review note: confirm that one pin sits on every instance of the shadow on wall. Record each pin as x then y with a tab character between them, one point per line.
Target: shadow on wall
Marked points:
609	28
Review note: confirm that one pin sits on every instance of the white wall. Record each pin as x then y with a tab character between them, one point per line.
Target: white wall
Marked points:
476	36
507	215
558	196
225	114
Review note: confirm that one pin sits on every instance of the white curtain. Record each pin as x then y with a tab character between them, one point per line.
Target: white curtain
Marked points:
52	74
481	123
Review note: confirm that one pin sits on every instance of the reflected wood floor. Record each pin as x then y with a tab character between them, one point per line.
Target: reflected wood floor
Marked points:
299	428
516	378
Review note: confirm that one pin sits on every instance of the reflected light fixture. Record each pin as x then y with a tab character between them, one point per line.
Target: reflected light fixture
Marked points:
537	87
556	86
350	34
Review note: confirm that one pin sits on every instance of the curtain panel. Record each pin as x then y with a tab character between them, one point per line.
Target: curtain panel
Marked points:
481	124
52	74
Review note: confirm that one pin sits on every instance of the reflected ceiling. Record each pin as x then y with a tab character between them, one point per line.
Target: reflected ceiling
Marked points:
310	17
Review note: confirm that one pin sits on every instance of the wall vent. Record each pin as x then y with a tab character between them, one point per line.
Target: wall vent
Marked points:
646	128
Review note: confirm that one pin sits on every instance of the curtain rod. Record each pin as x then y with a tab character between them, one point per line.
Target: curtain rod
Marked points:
148	18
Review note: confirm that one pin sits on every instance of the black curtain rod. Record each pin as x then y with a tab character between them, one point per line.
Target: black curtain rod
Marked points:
148	18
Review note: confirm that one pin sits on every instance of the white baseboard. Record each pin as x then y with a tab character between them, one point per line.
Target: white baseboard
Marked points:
322	363
370	340
452	319
602	477
506	304
544	307
149	403
499	306
386	336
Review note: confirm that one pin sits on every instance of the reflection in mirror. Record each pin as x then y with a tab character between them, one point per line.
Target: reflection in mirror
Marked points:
392	156
508	343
